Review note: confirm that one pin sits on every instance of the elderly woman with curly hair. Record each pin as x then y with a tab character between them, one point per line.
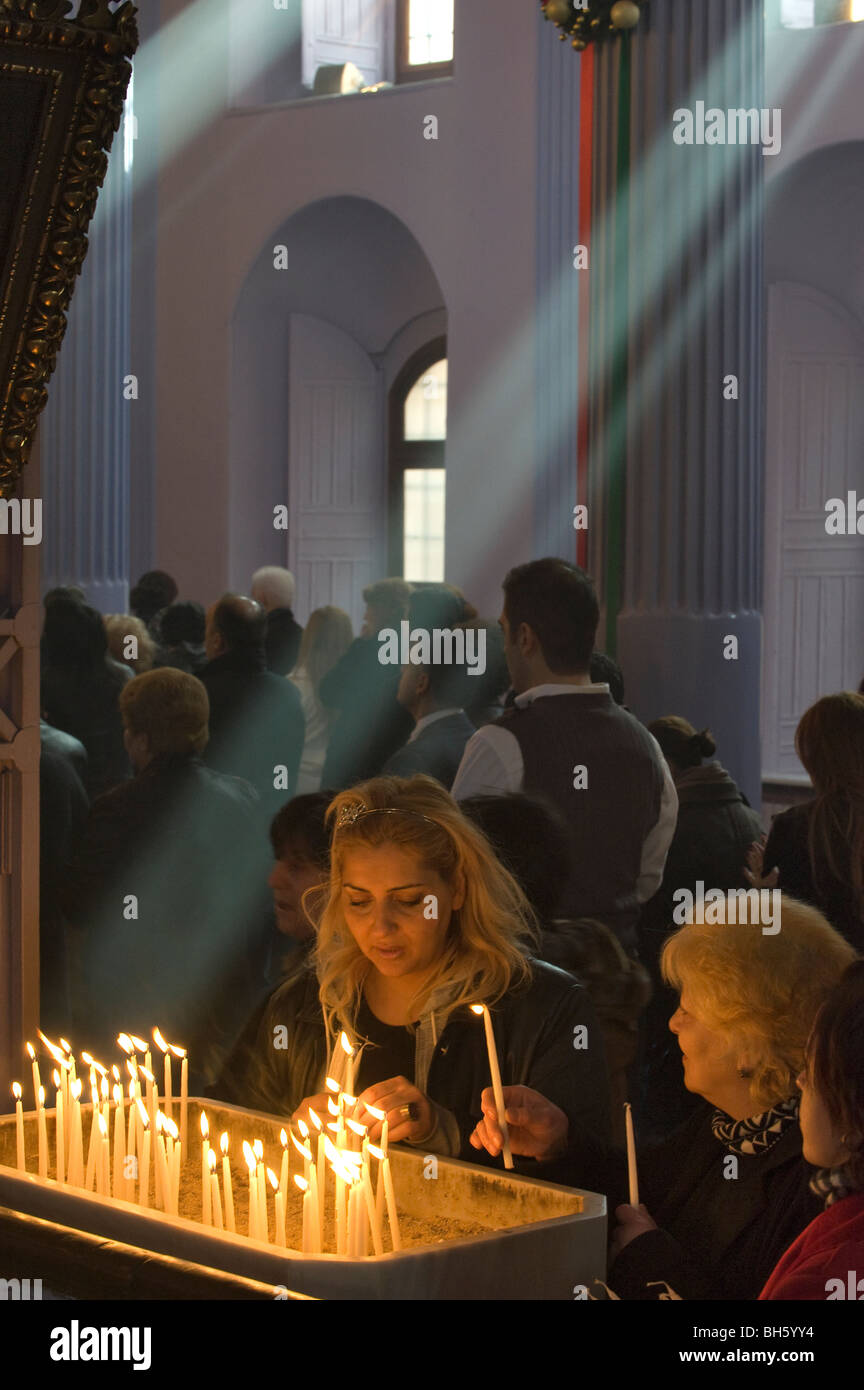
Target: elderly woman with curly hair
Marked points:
421	921
729	1190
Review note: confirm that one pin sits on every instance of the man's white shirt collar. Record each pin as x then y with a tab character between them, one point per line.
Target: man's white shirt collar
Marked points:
529	696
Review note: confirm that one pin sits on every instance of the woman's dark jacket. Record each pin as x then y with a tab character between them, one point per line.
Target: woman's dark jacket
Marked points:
720	1235
535	1031
788	850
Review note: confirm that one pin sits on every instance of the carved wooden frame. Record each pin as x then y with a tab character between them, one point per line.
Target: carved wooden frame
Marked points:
72	72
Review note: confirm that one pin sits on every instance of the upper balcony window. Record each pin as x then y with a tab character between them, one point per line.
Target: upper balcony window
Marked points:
807	14
424	39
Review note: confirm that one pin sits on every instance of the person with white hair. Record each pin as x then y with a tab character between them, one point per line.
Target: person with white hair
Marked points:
273	587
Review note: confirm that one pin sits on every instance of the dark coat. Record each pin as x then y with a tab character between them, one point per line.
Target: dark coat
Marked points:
720	1237
788	850
162	888
282	642
370	723
534	1033
831	1247
256	725
437	750
83	703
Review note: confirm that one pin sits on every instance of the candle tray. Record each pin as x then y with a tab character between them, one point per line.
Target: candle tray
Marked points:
539	1240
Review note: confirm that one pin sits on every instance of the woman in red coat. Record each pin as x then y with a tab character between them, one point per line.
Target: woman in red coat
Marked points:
827	1259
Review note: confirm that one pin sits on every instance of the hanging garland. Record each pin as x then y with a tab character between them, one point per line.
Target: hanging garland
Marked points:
591	21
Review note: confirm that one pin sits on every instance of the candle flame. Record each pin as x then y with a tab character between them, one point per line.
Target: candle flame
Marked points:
331	1085
357	1127
65	1046
118	1095
332	1106
41	1095
103	1127
478	1009
76	1088
273	1180
314	1118
142	1111
16	1089
148	1075
301	1182
132	1068
375	1151
258	1150
301	1148
346	1046
303	1128
334	1127
211	1160
373	1110
159	1040
205	1128
178	1051
131	1089
160	1121
103	1071
115	1071
139	1043
55	1077
172	1129
249	1157
54	1051
283	1138
31	1050
223	1142
86	1059
348	1101
104	1088
123	1039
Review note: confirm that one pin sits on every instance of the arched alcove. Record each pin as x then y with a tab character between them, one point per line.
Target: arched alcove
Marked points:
335	297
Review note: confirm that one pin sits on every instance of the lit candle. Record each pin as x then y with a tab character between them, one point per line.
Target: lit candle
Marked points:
349	1063
163	1047
321	1194
258	1150
497	1088
119	1185
184	1091
43	1135
75	1174
103	1159
36	1078
371	1208
19	1126
340	1179
205	1171
631	1156
307	1215
390	1195
92	1148
144	1161
174	1163
163	1180
59	1127
253	1190
132	1144
67	1075
279	1208
283	1175
227	1184
215	1203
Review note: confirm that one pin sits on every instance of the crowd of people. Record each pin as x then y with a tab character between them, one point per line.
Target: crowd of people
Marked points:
255	830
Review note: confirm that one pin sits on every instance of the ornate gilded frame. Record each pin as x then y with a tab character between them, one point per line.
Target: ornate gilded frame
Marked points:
63	81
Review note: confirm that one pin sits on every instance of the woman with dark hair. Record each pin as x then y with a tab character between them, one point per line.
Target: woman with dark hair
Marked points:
182	628
153	592
819	1263
818	848
81	685
713	833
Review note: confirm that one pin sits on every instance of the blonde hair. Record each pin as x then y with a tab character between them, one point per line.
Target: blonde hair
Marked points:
118	627
484	955
761	992
326	637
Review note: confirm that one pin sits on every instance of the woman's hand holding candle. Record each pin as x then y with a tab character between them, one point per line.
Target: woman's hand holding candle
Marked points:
394	1097
632	1222
537	1128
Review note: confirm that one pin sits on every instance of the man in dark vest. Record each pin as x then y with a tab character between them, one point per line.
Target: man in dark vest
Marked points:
565	739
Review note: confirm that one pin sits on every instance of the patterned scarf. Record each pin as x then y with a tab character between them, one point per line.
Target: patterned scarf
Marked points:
832	1183
756	1135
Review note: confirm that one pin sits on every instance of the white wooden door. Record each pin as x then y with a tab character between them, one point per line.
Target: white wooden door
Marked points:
337	468
349	31
814	583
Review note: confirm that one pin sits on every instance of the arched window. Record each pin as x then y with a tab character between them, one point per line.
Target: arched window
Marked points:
418	433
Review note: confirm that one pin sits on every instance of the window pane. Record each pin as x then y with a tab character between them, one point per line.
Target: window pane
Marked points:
430	31
424	524
426	404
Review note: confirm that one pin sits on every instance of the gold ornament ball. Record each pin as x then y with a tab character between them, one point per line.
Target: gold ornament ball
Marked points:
580	45
557	10
624	14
